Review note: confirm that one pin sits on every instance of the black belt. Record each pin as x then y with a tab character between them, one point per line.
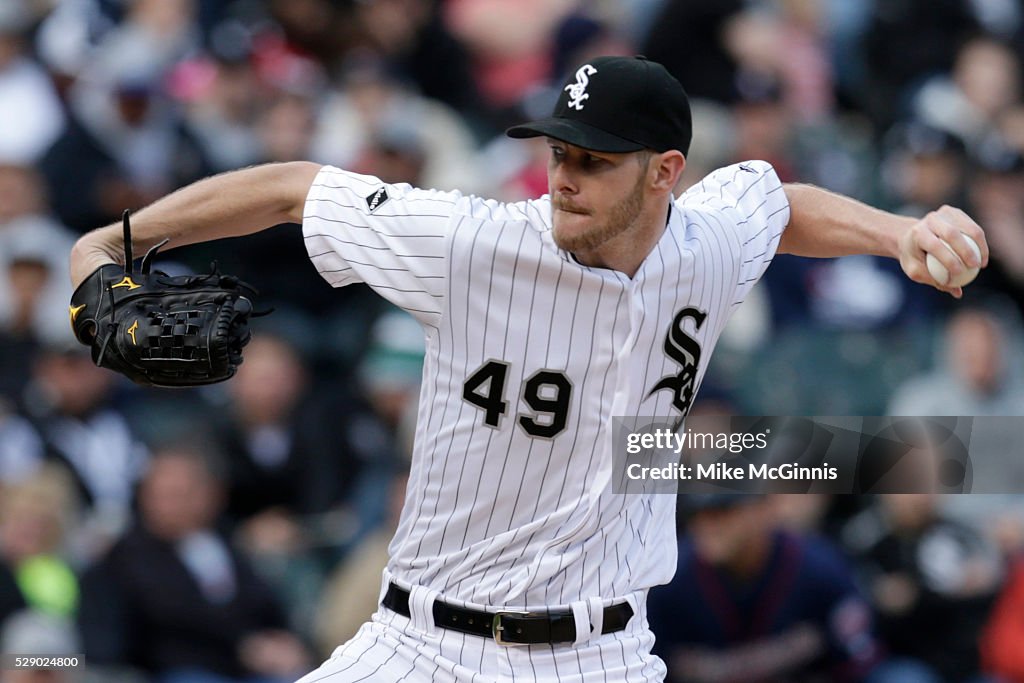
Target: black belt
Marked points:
509	627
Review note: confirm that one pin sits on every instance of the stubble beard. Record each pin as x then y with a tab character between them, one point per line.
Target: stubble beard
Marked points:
619	219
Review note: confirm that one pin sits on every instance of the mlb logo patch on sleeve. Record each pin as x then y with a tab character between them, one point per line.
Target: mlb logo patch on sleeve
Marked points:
374	201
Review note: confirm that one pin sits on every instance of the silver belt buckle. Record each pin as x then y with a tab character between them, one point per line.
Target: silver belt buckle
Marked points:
497	627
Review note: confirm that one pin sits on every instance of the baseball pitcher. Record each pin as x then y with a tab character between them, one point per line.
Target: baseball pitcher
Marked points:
543	319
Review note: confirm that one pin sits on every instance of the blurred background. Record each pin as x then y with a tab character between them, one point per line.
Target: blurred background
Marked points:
237	533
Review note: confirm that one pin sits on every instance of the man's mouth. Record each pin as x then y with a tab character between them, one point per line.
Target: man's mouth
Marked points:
567	209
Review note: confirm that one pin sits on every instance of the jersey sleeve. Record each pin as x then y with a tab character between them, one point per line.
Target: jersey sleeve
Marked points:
394	238
753	208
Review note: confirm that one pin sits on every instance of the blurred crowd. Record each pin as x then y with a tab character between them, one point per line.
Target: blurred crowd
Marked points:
236	533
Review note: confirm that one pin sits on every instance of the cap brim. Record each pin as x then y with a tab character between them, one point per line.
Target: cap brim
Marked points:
575	133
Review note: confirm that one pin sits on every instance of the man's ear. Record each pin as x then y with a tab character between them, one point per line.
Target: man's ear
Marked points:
666	169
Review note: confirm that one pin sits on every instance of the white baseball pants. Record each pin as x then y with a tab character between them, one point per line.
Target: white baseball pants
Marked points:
391	648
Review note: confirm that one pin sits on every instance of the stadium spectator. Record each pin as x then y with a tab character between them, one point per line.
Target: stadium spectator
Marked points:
371	104
285	127
321	29
150	36
31	116
221	93
416	44
506	41
306	478
996	195
394	155
924	165
35	525
687	38
69	401
983	85
905	42
802	71
282	128
124	145
977	375
932	580
369	419
173	597
750	602
33	261
277	450
924	168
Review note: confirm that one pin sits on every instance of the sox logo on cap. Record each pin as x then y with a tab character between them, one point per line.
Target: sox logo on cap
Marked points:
578	90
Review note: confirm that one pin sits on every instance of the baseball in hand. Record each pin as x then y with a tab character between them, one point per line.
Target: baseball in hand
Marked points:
940	273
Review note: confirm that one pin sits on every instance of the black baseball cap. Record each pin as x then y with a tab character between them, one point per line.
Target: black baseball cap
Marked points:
618	104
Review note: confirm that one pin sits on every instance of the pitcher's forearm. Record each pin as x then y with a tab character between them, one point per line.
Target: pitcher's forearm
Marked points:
825	224
227	205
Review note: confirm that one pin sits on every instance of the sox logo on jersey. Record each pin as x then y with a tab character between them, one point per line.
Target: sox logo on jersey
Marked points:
530	355
685	350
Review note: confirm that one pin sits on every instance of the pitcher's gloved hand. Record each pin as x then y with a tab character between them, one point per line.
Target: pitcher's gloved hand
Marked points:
160	330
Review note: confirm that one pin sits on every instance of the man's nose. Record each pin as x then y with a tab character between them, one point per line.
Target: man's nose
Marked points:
562	180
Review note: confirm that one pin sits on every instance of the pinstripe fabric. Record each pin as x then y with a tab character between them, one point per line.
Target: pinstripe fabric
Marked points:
494	514
389	649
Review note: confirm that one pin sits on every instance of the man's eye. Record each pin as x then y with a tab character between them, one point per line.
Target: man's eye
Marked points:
591	159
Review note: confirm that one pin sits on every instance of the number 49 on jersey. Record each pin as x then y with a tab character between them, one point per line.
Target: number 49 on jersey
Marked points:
545	392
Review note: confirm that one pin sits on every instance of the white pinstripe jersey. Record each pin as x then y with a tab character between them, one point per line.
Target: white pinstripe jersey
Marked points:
529	355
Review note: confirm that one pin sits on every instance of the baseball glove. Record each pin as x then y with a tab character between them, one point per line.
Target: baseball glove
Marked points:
160	330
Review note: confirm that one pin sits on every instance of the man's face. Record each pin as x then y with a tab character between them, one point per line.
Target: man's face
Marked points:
976	353
720	535
595	196
178	496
